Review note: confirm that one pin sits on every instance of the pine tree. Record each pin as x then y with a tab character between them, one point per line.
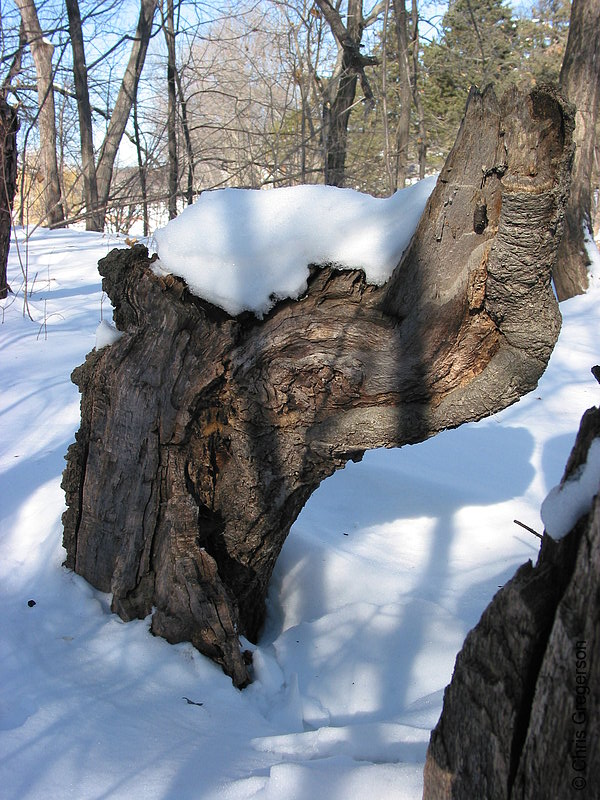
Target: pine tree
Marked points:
478	46
542	41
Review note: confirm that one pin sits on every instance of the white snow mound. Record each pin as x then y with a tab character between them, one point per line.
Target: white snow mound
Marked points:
569	501
106	334
244	249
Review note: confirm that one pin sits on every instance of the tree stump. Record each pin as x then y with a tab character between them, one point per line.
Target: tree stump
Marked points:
202	435
521	717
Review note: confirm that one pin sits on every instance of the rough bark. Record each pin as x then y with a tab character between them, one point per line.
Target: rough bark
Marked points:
203	435
580	82
521	717
9	125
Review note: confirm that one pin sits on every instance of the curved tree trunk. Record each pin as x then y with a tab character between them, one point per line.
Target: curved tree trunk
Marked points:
580	82
203	435
521	717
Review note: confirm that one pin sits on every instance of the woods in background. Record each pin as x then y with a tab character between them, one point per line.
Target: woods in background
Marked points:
367	95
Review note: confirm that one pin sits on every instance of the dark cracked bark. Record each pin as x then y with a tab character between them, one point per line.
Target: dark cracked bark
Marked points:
203	435
9	125
521	717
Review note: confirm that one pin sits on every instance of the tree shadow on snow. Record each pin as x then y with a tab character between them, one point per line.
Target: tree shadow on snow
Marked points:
392	641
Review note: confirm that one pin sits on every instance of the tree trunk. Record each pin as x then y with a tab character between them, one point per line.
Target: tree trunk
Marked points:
122	109
521	717
403	133
142	169
336	115
203	435
9	125
422	136
189	150
580	81
169	29
42	50
94	217
341	91
97	178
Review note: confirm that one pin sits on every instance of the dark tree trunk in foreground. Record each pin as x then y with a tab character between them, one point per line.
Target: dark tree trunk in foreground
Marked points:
203	435
580	82
521	718
9	125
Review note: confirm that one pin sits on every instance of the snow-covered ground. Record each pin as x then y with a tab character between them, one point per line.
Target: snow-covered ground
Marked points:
389	565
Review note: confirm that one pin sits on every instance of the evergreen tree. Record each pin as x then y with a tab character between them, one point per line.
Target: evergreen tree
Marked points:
478	46
543	39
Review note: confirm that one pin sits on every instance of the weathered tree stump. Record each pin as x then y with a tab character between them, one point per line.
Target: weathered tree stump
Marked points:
521	717
203	435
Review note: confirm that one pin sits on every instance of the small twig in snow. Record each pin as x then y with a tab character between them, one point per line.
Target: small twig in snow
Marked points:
527	528
191	702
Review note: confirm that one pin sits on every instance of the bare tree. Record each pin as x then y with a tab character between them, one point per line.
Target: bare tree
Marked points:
94	218
401	25
98	176
9	125
238	103
340	90
169	30
42	51
580	81
418	103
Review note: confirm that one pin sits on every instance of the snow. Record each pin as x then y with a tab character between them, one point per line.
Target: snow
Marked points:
594	259
106	334
389	565
569	501
243	249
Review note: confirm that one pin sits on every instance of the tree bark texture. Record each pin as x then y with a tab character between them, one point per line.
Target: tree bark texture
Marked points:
203	435
521	717
580	82
9	125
